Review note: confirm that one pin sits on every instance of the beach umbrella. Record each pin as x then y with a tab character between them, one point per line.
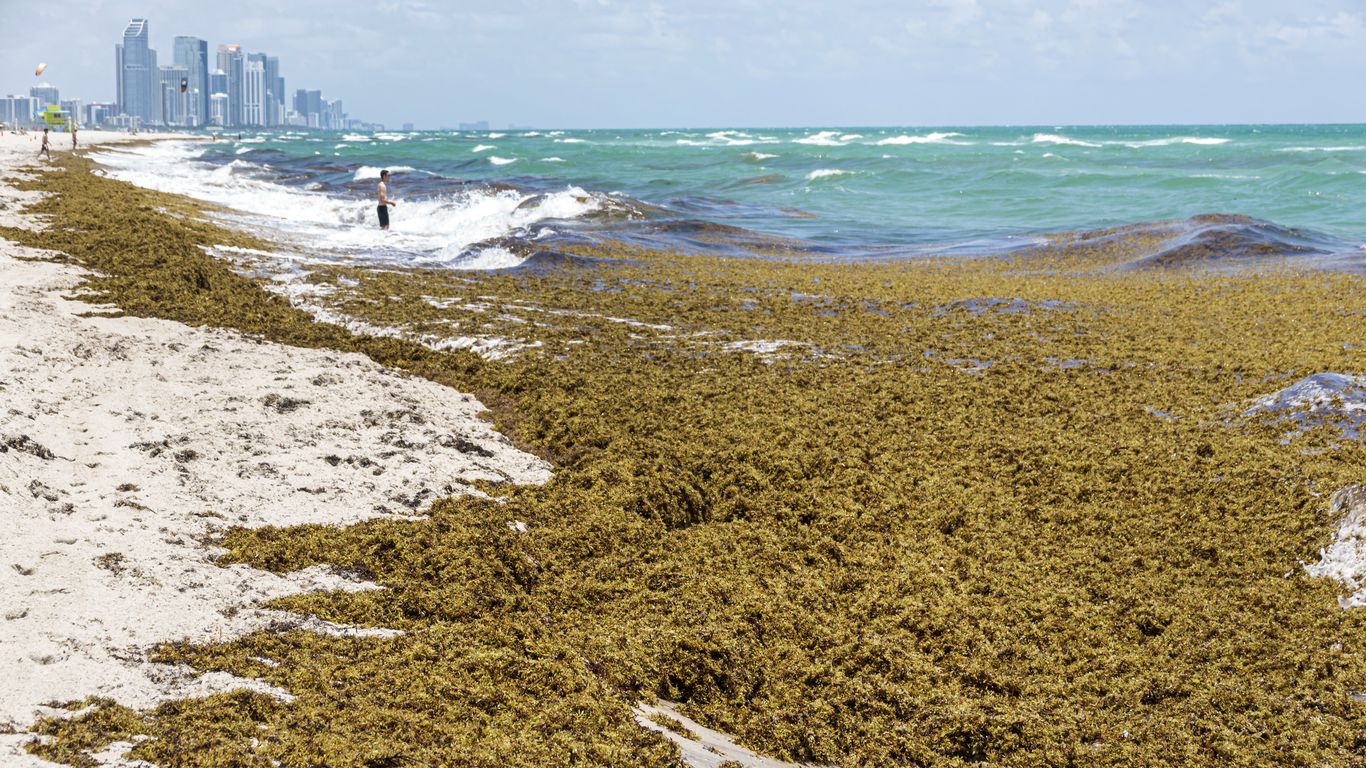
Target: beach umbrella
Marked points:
39	69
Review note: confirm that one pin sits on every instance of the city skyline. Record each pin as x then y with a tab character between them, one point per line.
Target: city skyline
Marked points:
245	90
606	63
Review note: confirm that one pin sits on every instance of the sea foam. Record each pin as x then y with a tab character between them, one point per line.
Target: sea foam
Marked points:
1197	140
932	138
1051	138
1323	149
367	172
435	230
822	139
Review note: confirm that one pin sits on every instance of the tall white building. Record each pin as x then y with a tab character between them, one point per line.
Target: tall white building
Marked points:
218	109
333	118
231	61
254	92
173	106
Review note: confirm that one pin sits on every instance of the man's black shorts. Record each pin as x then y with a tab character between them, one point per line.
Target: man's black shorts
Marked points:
384	215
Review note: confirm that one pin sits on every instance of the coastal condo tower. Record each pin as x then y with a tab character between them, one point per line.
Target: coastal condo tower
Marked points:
135	64
192	55
233	63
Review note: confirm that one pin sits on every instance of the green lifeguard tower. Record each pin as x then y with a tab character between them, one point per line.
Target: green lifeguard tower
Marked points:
55	117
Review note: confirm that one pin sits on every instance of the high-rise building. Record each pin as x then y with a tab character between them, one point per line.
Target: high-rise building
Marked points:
218	109
18	111
232	62
218	82
273	108
254	91
136	65
173	105
333	118
283	107
309	105
97	112
46	95
192	54
75	110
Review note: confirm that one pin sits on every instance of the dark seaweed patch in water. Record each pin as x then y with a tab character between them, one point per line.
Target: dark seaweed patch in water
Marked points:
1218	237
702	236
1213	240
542	254
771	178
548	259
272	157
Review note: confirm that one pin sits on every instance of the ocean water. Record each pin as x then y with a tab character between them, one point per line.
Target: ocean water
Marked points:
487	199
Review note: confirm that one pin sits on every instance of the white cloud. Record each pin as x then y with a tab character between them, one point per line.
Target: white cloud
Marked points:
959	12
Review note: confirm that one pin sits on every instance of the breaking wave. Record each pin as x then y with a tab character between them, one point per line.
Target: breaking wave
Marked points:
443	228
932	138
825	173
1051	138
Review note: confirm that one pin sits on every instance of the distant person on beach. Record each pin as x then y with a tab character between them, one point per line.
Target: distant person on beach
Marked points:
384	201
45	150
73	137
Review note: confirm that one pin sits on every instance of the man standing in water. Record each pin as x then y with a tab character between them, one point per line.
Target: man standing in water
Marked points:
384	201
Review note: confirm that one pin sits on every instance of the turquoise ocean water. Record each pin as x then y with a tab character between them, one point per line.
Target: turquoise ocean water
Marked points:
842	191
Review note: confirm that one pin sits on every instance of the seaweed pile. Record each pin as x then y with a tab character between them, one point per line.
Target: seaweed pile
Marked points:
846	548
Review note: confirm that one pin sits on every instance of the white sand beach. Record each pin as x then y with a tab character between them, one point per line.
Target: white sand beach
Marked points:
125	442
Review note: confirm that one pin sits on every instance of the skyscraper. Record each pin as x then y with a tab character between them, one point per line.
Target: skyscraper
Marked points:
232	62
17	110
173	107
97	112
46	95
218	82
136	65
254	90
74	109
192	54
280	93
218	109
309	105
273	112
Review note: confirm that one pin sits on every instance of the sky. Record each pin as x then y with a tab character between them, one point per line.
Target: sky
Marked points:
749	63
